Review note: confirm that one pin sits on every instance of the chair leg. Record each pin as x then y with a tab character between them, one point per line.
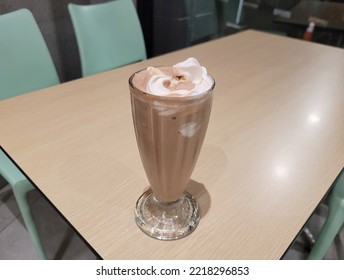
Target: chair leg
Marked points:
20	190
331	228
309	235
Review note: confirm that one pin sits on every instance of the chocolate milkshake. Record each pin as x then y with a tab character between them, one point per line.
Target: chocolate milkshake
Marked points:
171	108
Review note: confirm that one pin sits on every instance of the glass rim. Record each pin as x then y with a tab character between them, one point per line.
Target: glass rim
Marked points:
145	93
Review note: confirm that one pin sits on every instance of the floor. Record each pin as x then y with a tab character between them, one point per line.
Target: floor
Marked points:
61	242
299	250
58	238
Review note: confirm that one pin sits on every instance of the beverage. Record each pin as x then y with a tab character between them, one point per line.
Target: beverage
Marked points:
170	117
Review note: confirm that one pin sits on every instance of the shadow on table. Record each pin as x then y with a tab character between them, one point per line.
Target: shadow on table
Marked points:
201	194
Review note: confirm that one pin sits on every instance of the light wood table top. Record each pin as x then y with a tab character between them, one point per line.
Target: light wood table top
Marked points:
275	144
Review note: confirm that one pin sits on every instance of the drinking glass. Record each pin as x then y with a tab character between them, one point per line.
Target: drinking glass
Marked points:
169	131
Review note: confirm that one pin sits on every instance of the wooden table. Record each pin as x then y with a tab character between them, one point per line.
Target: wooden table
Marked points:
332	13
329	25
274	145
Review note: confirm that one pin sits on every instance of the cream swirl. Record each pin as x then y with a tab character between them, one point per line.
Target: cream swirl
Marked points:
188	78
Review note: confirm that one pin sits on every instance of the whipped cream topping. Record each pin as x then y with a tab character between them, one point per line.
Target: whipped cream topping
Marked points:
187	78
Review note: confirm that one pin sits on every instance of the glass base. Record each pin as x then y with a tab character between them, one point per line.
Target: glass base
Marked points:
167	220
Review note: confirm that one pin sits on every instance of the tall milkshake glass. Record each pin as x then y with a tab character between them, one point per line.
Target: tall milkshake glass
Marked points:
169	131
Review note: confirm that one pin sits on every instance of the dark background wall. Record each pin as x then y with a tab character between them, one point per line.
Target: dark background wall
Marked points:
196	20
190	16
54	21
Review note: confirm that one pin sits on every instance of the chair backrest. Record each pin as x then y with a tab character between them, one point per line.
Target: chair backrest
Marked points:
25	62
109	35
233	11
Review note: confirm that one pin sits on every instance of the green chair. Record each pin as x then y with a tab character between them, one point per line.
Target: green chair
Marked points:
21	186
26	65
109	35
334	221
